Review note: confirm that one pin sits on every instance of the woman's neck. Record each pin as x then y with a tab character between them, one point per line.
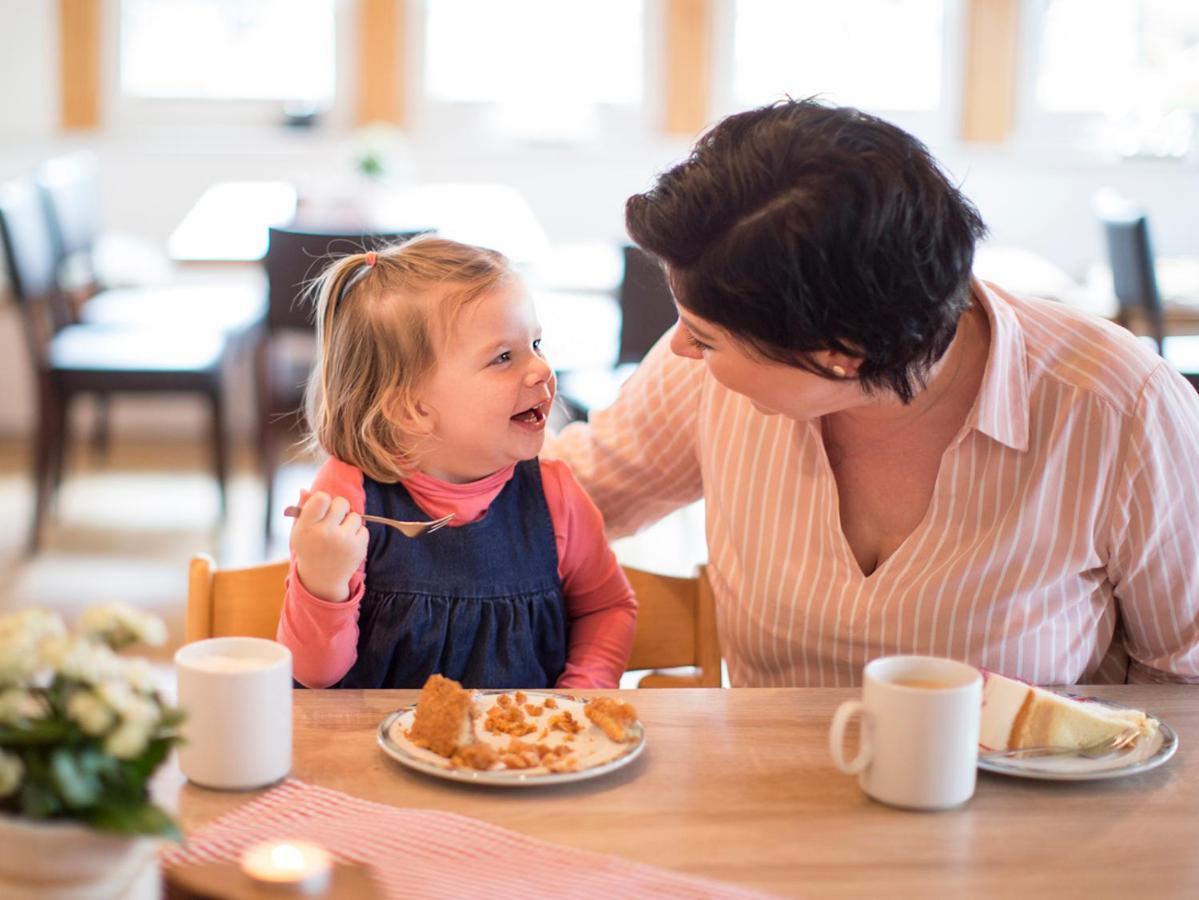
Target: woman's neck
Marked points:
951	385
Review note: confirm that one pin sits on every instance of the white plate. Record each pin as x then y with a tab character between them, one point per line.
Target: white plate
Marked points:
596	753
1141	757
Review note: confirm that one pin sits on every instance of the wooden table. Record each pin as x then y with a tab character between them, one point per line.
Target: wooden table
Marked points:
737	785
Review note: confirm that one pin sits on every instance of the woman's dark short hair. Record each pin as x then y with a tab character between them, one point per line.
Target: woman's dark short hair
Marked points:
801	227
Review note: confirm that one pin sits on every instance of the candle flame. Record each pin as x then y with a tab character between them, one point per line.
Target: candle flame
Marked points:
288	857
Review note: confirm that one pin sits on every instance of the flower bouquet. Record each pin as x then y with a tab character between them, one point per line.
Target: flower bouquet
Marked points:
82	729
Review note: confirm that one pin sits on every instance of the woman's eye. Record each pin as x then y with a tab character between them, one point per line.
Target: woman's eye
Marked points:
696	343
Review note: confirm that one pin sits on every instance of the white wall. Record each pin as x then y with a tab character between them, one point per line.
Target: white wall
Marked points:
1031	199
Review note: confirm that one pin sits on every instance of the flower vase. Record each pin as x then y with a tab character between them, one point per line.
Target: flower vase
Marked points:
63	860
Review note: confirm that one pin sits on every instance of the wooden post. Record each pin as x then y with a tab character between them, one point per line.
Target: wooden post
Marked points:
79	41
382	72
688	73
988	102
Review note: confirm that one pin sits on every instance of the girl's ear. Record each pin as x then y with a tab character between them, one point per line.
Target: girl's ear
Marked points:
409	413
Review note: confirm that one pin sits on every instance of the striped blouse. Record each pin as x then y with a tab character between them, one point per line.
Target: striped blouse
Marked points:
1061	543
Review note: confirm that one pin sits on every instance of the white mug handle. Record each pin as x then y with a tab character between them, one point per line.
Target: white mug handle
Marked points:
836	738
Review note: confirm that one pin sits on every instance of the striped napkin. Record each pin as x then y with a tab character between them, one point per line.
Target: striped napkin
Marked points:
426	853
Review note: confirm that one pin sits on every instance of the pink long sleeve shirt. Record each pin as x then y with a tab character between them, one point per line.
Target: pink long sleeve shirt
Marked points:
601	609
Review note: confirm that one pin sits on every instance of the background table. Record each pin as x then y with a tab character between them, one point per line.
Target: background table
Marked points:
737	785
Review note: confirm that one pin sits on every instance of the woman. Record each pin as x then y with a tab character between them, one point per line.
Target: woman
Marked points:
895	457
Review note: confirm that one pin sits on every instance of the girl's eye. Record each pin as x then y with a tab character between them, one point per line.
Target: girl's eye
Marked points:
537	345
504	357
696	343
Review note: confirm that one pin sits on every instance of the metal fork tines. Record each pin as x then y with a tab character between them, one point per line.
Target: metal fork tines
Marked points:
408	529
1122	741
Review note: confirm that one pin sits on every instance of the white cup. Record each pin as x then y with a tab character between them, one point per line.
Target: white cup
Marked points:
919	745
236	692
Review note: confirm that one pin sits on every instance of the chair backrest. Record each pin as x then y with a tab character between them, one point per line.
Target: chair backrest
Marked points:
676	619
646	305
32	263
70	187
1130	255
295	257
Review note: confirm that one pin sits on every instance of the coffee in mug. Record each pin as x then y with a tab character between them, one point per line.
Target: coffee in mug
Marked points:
920	722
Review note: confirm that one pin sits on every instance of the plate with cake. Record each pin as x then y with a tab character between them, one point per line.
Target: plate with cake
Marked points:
1020	716
511	738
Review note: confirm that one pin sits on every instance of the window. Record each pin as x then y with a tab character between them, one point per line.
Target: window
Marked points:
880	55
228	49
1134	64
537	68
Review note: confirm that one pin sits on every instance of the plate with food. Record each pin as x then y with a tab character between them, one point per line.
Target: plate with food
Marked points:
511	738
1031	732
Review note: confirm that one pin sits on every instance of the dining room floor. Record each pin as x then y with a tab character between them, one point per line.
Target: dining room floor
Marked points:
125	527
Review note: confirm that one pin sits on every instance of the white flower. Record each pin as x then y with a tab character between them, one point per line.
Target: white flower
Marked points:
128	704
31	625
18	704
81	659
21	634
139	675
127	741
91	712
12	770
118	624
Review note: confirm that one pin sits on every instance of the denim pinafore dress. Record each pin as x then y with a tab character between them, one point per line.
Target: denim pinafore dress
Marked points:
481	603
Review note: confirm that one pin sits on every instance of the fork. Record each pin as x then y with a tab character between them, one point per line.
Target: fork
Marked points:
408	529
1107	746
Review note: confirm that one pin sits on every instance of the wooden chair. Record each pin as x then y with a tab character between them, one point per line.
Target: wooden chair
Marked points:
284	354
676	621
71	358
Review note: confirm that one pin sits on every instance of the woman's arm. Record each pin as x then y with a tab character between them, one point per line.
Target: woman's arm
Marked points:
1154	532
322	634
600	605
639	458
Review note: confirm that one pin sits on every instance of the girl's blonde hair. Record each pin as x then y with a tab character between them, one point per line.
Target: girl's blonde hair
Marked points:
375	343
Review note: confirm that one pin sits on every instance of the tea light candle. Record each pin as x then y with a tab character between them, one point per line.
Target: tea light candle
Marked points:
301	866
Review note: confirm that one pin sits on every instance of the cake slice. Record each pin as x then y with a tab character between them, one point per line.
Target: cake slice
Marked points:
1017	715
444	720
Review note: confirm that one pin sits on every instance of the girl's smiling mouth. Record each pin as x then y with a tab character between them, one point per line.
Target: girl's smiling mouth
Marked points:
533	417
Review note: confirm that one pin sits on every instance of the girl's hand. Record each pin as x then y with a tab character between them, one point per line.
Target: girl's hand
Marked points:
329	543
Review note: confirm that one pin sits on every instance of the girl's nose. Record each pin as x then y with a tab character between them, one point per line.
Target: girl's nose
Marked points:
539	371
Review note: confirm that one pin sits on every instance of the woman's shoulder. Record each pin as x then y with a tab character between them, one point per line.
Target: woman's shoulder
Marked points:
1080	351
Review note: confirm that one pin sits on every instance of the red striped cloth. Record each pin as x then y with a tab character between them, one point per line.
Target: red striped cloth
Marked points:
427	853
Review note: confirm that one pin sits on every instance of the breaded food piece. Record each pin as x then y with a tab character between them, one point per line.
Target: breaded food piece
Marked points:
479	755
444	720
564	721
613	716
507	719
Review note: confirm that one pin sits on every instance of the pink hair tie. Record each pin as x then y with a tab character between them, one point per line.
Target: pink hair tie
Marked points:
371	257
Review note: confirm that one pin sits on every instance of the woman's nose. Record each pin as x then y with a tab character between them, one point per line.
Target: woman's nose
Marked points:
679	344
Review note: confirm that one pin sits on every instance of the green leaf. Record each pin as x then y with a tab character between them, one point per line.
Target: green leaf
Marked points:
145	819
75	778
33	733
38	800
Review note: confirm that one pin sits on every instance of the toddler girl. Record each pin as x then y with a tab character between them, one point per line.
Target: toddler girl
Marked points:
430	395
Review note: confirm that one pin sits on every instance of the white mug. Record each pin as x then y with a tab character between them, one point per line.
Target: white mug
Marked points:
920	720
236	693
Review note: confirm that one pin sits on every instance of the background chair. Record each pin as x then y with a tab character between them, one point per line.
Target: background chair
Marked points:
71	193
286	347
646	312
1134	280
676	619
70	358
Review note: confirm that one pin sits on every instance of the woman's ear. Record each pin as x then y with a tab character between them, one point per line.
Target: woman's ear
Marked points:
842	365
